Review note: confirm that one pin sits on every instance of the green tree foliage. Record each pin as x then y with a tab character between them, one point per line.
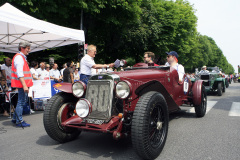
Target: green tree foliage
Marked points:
126	29
211	55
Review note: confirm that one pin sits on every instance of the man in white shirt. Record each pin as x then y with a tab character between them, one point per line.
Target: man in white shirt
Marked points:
204	70
237	75
6	70
87	63
42	73
172	58
55	74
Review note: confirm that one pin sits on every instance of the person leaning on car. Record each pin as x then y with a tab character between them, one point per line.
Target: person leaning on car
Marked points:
172	59
87	63
204	70
149	58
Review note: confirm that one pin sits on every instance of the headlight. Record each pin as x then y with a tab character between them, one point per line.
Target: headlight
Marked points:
123	89
83	108
78	89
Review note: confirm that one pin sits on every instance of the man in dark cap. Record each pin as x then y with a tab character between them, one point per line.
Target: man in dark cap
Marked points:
172	59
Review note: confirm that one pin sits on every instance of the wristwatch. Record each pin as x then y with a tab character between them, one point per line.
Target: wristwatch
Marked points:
107	66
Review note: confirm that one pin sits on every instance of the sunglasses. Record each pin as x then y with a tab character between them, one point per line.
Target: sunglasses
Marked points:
93	51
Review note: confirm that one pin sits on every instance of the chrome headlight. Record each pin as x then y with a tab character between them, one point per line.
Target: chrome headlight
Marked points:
78	89
123	89
83	108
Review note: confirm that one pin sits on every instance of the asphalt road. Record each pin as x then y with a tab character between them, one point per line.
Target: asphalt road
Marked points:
213	137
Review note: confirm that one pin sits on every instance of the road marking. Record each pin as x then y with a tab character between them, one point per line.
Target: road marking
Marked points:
210	105
235	109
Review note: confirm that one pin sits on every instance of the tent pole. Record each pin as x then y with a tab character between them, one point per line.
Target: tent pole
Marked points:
81	21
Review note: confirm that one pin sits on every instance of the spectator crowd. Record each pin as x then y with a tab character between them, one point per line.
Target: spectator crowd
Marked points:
39	71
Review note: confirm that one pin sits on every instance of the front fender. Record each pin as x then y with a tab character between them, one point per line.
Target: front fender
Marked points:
197	92
158	87
64	87
219	79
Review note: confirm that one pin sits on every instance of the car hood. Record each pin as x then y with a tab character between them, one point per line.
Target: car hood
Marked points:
141	74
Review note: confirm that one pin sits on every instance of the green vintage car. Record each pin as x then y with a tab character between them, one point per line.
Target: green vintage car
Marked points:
212	80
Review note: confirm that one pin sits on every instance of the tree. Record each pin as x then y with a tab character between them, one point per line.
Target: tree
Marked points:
126	29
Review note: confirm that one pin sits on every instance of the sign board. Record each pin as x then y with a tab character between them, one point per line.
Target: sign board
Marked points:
41	89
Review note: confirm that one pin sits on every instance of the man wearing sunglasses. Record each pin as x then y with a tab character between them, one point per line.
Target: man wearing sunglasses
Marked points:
149	58
172	59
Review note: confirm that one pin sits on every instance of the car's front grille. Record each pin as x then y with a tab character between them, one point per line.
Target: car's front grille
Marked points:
205	77
100	93
206	80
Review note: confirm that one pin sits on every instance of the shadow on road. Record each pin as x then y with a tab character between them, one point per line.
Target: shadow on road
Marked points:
98	145
94	146
183	113
3	118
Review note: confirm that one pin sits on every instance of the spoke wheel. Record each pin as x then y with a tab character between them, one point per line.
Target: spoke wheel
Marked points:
156	127
200	110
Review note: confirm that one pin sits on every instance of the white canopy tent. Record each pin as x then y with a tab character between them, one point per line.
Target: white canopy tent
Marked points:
16	26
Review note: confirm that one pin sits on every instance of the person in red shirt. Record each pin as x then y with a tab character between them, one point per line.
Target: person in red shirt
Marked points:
149	58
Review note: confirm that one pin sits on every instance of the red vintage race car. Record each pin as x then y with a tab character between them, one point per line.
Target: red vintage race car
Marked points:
135	102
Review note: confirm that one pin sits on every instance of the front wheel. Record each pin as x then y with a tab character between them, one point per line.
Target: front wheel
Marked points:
59	109
220	89
200	110
227	83
150	125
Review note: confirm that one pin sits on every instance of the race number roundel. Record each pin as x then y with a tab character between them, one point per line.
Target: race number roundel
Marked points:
185	85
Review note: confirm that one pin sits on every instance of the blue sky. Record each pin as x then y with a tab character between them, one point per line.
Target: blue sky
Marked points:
220	19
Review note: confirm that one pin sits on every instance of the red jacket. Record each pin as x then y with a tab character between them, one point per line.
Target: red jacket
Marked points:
15	82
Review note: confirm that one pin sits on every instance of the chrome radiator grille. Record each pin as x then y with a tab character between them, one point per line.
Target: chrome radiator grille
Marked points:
205	77
206	80
100	93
